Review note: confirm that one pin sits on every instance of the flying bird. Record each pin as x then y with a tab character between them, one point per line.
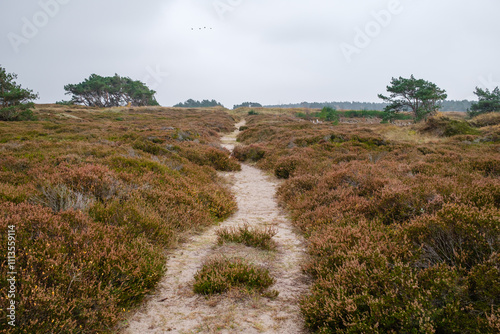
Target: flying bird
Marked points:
203	28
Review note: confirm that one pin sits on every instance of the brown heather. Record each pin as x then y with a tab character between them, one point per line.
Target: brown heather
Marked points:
403	228
97	196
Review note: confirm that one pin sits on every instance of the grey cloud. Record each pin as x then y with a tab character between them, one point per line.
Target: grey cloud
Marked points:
267	51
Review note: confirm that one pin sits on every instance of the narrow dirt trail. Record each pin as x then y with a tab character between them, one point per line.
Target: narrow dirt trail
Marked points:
175	308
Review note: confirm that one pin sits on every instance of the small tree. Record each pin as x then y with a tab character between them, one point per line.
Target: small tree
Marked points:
488	101
15	102
329	114
421	97
104	92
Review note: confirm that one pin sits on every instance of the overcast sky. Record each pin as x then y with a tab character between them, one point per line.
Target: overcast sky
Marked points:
266	51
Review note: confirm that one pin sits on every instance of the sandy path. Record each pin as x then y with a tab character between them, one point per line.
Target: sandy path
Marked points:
176	309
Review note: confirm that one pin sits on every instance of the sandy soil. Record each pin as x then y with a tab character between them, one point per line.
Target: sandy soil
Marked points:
175	308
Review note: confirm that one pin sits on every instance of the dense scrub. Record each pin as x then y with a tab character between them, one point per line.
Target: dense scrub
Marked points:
404	236
96	196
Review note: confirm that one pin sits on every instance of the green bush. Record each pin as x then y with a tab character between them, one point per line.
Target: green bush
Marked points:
445	127
455	127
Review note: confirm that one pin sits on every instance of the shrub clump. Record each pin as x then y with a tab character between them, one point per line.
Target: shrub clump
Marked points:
445	127
488	119
95	203
253	153
253	237
450	236
74	273
220	275
216	158
285	167
404	243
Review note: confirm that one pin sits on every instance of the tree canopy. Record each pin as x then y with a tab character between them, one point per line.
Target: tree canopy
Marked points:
15	102
98	91
198	104
421	97
488	101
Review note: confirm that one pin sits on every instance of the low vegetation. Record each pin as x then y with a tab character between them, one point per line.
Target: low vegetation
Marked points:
253	237
221	274
403	231
96	197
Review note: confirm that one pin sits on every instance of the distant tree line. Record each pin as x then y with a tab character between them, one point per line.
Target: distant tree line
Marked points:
198	104
418	97
248	105
448	105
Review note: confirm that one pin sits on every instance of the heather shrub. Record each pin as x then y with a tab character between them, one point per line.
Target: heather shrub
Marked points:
96	203
253	237
138	166
488	165
135	217
482	193
285	167
213	157
483	286
74	273
458	235
396	203
391	298
148	147
402	233
252	153
219	160
488	119
15	194
332	246
220	275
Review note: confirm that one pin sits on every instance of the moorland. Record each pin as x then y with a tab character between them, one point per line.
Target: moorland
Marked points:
402	223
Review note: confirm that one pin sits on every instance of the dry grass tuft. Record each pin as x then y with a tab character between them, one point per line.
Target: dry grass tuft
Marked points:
252	237
221	274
